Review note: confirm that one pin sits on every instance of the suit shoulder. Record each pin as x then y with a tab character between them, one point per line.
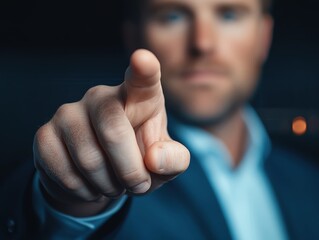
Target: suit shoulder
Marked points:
296	163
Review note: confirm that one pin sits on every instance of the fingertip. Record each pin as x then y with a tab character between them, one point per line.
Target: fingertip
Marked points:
141	188
154	159
144	63
167	158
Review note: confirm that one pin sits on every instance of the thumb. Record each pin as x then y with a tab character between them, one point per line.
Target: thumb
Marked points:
142	77
167	158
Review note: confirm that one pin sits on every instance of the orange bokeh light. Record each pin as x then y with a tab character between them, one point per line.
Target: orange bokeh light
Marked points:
299	126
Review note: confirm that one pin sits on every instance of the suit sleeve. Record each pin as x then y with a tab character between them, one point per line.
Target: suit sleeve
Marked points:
58	225
20	220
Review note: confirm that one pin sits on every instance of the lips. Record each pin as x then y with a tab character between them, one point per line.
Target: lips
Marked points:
202	76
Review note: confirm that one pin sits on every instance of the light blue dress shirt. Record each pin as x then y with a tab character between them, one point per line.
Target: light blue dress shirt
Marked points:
56	225
244	193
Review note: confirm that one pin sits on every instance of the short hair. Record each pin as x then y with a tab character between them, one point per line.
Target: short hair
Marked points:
131	8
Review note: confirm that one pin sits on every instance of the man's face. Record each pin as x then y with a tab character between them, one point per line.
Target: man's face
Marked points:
210	51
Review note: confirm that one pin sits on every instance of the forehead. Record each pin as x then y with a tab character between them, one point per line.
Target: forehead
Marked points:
206	3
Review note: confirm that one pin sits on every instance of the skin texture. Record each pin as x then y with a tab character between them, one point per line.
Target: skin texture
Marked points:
115	141
211	52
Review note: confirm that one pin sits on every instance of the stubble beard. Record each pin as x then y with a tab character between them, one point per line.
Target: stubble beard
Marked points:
215	118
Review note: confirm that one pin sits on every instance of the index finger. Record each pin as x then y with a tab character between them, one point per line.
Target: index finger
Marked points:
142	77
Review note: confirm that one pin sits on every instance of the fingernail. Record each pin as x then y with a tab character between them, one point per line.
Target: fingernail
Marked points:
140	188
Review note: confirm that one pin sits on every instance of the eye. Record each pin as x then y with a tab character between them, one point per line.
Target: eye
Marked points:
171	16
229	14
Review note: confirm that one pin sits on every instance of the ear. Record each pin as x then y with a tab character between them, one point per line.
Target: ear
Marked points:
266	36
130	36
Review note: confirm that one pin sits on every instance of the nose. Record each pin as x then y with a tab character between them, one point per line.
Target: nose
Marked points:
203	36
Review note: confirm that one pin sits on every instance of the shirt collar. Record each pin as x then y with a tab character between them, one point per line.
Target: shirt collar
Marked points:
201	143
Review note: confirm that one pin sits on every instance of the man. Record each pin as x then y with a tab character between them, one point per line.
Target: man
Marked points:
95	156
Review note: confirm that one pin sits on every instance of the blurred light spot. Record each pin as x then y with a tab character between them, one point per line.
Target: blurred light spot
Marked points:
299	126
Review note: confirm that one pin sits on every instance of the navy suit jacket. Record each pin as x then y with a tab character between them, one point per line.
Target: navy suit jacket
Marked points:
185	208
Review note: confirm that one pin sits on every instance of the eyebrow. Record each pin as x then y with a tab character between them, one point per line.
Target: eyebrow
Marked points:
161	6
156	6
241	7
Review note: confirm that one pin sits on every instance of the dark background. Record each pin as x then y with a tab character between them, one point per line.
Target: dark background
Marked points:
51	52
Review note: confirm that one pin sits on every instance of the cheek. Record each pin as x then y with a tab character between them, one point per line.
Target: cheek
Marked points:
241	51
169	47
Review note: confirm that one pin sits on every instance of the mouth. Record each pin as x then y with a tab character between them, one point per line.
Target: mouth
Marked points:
202	76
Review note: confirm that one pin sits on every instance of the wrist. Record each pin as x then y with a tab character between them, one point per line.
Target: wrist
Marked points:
77	208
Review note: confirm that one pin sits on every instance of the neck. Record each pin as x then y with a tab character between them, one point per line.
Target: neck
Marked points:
233	133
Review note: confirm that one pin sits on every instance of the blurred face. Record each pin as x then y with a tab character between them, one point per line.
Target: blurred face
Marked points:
211	52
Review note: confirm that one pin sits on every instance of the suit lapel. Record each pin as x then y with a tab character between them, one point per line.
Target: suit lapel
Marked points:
197	192
295	184
202	202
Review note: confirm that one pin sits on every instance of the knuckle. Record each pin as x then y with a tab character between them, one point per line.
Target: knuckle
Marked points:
109	107
114	132
111	121
43	146
92	161
93	92
42	135
69	114
64	111
68	120
112	124
97	91
74	133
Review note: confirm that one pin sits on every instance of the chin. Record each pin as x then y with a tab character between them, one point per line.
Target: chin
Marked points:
204	108
203	117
